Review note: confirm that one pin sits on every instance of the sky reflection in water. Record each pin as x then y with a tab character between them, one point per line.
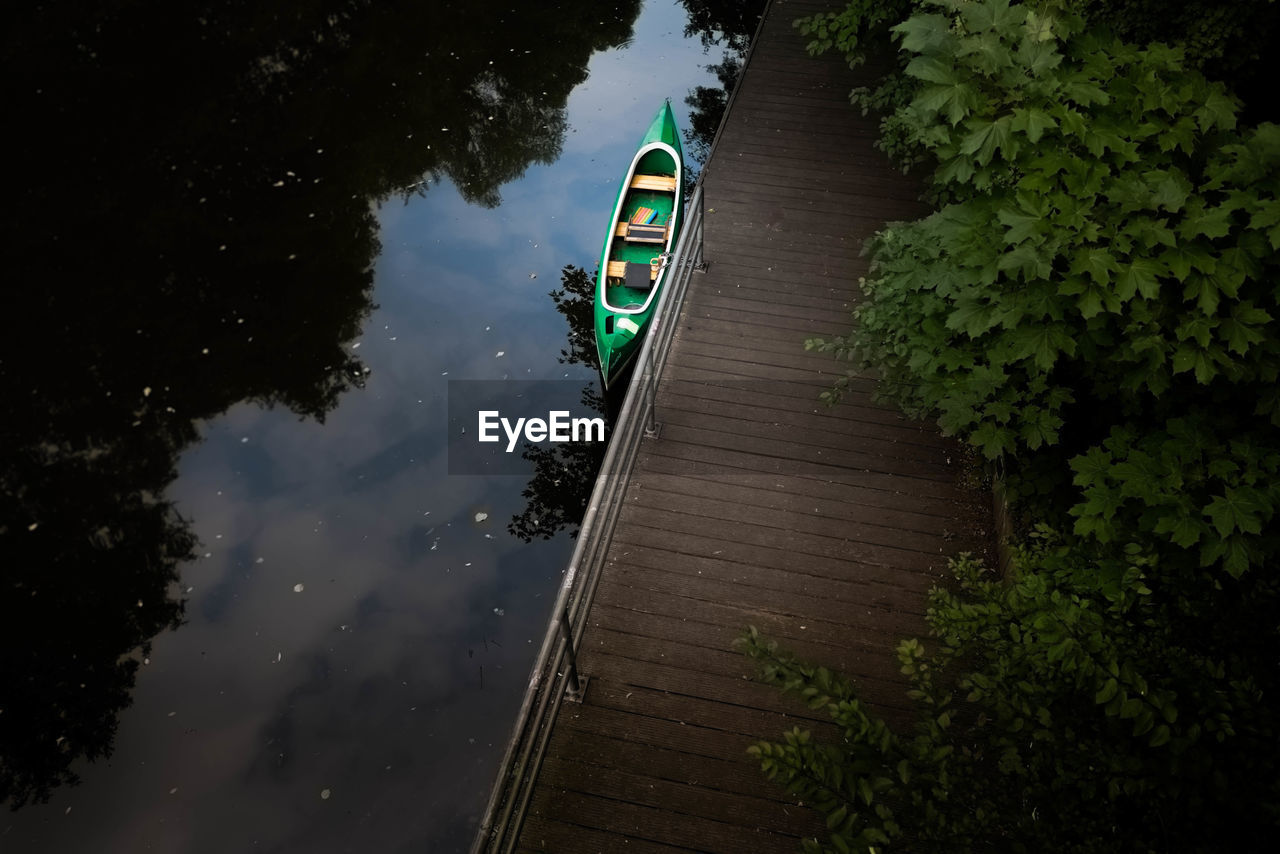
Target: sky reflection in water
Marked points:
356	642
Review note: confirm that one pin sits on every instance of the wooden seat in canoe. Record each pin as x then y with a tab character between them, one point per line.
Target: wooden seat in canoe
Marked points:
641	233
665	183
646	233
630	272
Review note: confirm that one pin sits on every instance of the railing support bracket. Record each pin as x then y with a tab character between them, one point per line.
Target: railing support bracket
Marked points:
580	694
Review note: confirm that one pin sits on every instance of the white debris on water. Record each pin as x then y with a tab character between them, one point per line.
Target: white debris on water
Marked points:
298	588
324	794
480	517
501	612
500	354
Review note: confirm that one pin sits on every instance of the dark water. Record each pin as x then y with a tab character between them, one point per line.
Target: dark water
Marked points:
243	604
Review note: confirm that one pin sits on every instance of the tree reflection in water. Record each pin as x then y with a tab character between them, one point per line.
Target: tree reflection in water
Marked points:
729	25
192	226
565	473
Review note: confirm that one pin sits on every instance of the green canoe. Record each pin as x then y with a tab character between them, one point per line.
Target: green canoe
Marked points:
643	229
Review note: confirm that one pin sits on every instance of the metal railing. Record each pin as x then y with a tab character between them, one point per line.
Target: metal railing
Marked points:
555	676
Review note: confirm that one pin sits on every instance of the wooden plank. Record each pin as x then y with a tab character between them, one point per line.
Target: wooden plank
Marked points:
820	431
819	295
918	509
746	459
639	784
771	498
645	233
727	329
737	776
817	416
846	522
618	270
826	641
691	725
782	446
730	605
663	183
697	539
874	612
856	403
544	835
653	825
637	658
836	547
707	306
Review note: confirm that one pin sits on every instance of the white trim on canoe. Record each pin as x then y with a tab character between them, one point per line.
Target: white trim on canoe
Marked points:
602	283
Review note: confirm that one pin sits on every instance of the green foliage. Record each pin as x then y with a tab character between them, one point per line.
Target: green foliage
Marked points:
1226	40
848	30
1186	487
1111	246
1094	305
1082	721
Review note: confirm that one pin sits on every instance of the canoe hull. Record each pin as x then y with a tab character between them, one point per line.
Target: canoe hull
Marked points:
645	223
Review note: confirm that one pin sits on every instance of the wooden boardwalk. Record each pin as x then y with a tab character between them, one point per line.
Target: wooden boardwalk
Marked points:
756	504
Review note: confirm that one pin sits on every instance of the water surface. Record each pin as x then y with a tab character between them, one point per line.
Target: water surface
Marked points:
244	606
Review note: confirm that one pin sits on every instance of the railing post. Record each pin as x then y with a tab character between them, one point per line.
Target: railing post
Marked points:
699	265
651	426
577	688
